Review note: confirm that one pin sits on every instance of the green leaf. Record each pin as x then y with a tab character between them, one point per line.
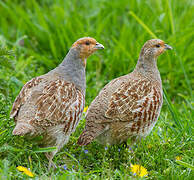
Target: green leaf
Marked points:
185	164
49	149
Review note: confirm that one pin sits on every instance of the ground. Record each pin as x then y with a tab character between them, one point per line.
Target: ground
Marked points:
35	36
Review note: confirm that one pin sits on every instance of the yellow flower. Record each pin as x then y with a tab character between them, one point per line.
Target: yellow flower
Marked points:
149	146
25	171
178	158
85	109
139	170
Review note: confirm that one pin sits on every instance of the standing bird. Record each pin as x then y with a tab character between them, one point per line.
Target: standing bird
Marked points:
52	104
128	106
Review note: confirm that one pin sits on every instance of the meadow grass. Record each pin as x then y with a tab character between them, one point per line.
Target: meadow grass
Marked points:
36	35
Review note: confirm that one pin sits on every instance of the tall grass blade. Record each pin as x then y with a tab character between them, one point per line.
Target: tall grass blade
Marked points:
142	24
168	2
172	110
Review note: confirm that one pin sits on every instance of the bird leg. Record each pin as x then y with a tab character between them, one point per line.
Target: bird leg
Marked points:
50	156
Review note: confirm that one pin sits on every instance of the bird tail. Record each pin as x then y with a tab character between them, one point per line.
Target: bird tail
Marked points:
22	129
85	138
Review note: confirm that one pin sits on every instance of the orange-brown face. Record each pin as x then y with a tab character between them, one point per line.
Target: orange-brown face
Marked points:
154	48
86	46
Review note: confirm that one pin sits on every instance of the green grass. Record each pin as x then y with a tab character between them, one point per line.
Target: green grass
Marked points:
40	34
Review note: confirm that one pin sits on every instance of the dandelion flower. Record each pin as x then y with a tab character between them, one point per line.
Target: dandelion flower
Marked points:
139	170
178	158
25	171
85	109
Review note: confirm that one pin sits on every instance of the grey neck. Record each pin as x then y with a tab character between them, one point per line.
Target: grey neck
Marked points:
73	70
148	67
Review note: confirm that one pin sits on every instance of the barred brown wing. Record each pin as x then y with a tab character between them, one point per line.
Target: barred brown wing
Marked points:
138	101
60	103
24	94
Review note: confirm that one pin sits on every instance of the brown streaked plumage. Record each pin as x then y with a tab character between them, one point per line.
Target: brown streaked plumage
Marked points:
128	106
52	104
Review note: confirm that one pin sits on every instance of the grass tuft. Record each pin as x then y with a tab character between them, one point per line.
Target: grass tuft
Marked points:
36	35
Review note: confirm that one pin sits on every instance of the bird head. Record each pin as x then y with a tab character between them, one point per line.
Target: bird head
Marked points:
86	46
153	48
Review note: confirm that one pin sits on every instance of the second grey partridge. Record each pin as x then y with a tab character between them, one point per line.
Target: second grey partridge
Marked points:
128	106
52	104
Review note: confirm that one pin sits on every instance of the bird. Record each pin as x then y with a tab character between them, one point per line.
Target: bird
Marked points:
51	105
127	108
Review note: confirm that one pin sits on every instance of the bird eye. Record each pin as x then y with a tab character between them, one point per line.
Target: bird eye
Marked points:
157	45
87	43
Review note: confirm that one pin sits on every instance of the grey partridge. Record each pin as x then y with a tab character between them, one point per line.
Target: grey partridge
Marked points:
52	104
128	106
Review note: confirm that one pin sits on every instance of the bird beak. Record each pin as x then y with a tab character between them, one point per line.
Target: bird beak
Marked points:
99	46
167	47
